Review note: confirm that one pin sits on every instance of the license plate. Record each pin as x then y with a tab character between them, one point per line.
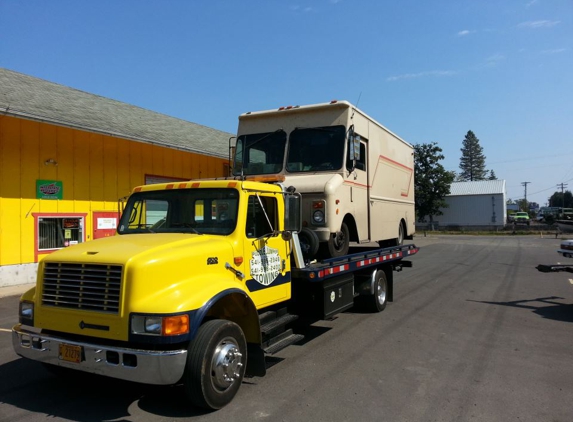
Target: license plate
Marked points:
70	353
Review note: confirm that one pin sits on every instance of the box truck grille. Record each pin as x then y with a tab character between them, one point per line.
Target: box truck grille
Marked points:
82	286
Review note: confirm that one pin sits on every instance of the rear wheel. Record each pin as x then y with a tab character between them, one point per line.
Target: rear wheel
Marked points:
215	364
378	301
339	242
397	241
400	238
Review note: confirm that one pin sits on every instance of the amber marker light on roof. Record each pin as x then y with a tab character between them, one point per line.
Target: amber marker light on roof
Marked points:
267	179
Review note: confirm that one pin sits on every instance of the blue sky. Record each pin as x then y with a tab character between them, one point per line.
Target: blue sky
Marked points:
428	70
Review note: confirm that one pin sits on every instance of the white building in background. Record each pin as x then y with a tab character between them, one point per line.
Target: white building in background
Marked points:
478	204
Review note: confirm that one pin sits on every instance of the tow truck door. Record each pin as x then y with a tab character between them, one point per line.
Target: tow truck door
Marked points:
266	257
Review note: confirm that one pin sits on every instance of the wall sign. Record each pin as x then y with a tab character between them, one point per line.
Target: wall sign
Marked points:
106	223
49	189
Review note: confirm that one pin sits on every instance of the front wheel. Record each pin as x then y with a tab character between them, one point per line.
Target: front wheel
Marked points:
309	243
339	242
215	364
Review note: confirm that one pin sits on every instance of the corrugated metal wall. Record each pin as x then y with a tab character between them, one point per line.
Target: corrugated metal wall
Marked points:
95	171
473	210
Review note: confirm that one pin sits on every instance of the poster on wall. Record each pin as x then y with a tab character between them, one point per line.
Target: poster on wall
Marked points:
49	189
107	223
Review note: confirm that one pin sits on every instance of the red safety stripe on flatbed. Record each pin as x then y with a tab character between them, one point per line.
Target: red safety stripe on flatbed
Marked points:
334	270
379	259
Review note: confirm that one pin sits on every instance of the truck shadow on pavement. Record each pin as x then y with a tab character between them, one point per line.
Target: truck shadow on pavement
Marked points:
29	386
546	307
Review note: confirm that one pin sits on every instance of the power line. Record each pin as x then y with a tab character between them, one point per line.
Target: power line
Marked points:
551	187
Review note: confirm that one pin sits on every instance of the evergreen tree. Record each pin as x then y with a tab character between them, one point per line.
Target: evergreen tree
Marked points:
472	162
432	180
492	175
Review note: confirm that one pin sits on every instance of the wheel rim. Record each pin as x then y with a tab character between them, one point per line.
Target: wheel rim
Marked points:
339	241
304	244
226	365
401	235
380	293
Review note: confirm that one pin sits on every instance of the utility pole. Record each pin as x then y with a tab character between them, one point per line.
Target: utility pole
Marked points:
563	186
524	184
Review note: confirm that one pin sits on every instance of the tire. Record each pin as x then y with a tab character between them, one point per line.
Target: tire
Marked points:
216	364
378	301
339	243
400	239
309	243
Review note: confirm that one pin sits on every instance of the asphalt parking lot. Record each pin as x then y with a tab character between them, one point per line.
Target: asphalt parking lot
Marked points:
475	332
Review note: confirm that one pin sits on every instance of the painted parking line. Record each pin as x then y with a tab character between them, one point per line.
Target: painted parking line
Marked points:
571	280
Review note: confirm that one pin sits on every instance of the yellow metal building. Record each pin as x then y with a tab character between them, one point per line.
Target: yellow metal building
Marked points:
67	156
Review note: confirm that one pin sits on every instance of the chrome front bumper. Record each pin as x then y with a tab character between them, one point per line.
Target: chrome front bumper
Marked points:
145	366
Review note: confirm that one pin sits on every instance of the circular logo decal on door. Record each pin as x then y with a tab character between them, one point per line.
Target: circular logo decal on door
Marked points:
265	265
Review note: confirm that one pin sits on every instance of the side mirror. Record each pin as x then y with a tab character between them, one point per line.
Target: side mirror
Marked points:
293	212
353	144
356	147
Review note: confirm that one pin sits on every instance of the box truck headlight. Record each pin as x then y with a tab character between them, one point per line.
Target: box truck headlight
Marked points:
318	217
318	212
170	325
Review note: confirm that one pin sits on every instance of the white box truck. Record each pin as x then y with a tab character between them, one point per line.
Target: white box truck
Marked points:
356	177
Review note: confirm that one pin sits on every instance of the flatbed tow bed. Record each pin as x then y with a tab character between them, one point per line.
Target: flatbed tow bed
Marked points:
322	270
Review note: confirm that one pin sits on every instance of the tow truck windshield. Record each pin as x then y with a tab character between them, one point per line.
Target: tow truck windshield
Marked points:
195	211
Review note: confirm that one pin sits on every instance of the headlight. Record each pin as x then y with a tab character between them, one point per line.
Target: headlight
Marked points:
318	208
170	325
318	217
27	311
153	325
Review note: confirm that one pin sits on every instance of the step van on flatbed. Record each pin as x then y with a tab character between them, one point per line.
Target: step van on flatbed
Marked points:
355	175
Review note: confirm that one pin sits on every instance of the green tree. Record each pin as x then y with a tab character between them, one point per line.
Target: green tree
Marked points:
559	199
432	181
492	175
472	162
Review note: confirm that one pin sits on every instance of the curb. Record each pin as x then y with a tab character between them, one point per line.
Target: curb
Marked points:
15	290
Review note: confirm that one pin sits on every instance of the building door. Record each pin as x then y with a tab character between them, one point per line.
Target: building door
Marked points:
105	223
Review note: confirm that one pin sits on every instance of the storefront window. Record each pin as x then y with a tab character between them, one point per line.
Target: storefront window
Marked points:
59	232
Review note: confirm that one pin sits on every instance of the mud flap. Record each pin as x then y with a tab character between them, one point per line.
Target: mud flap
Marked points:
256	366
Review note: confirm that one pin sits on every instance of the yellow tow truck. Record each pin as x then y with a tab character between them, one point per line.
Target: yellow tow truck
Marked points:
203	279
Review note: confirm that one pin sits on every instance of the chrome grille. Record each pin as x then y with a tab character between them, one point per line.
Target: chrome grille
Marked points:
90	287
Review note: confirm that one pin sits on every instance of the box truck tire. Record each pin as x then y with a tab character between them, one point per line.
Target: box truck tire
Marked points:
309	243
339	242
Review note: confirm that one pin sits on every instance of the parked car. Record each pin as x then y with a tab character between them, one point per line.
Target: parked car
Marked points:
566	249
565	214
521	218
544	212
